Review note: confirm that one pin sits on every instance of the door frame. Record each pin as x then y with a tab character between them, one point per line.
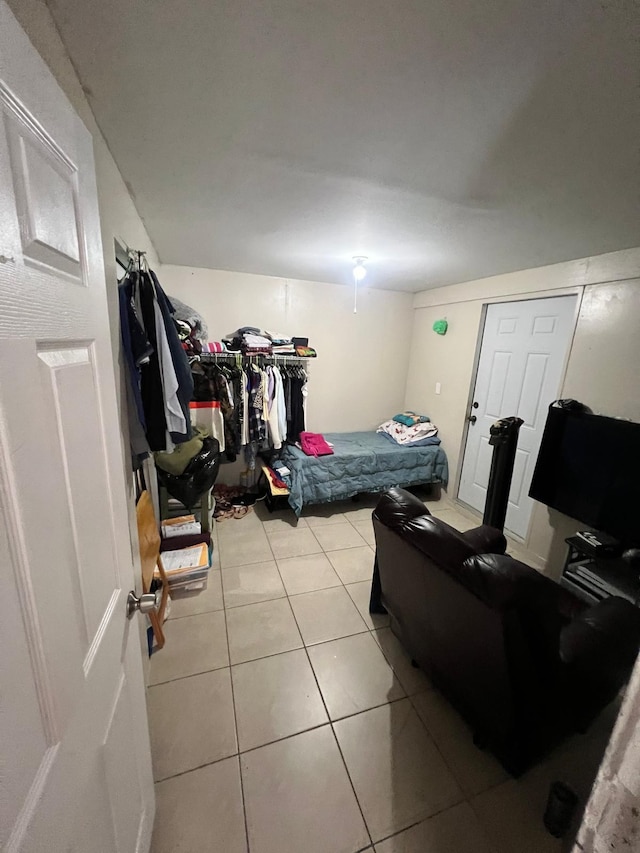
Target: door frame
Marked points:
516	297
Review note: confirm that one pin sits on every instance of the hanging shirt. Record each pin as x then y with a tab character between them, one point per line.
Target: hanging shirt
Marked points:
135	344
264	384
257	423
274	429
280	405
179	358
223	393
151	388
160	384
295	414
245	409
137	351
207	415
173	413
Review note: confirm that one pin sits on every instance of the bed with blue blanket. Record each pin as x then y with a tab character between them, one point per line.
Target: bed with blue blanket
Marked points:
361	462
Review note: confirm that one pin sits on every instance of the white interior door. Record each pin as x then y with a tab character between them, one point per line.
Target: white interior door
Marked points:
523	352
74	748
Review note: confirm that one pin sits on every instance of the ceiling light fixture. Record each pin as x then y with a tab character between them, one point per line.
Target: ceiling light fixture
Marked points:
359	272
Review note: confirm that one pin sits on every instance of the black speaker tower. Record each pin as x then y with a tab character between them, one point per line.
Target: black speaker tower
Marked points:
504	438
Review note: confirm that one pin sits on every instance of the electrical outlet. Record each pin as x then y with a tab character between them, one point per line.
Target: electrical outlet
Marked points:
438	386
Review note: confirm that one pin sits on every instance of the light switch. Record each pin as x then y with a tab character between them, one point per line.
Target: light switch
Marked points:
437	387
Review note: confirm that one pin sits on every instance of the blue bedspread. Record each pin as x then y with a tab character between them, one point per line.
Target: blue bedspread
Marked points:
362	462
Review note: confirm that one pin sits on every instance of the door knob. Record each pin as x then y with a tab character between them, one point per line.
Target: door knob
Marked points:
145	604
472	419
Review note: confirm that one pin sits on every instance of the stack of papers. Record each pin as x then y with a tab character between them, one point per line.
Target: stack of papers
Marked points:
184	525
187	569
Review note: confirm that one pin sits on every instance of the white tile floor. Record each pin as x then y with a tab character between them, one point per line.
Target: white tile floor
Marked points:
286	719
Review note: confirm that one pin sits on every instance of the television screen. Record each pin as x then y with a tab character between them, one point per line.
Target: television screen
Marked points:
588	468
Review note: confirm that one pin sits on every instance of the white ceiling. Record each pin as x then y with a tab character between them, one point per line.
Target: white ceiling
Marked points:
448	140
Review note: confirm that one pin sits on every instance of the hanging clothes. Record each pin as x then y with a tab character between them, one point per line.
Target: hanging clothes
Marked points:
205	408
257	424
174	416
273	422
245	409
137	350
217	403
159	378
295	382
251	409
180	361
281	406
207	416
151	386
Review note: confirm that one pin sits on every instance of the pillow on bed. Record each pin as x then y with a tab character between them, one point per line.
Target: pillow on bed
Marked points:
410	418
405	434
430	441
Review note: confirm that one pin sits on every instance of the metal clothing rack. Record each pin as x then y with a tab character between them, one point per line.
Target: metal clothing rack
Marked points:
259	358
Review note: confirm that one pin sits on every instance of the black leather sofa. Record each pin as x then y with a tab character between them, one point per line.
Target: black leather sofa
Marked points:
525	662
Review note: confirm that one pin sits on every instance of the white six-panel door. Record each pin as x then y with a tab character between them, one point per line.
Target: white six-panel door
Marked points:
75	771
523	352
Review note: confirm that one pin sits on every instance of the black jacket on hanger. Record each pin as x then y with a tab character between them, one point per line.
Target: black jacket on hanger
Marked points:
151	387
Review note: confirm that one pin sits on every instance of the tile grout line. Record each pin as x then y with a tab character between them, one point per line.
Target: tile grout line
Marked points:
263	657
305	646
483	829
324	704
466	799
191	674
434	741
426	820
239	753
204	612
235	715
353	788
287	595
330	722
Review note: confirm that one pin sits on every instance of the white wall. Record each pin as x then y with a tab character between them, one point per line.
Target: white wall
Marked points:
358	379
611	819
601	371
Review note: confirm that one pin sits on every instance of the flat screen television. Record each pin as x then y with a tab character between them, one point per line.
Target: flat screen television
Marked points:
588	468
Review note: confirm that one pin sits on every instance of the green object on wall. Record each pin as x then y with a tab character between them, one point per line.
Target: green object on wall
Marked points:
440	327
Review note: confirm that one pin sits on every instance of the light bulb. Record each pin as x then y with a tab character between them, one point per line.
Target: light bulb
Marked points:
359	271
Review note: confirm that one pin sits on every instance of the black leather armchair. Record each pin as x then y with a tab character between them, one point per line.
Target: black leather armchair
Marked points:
524	661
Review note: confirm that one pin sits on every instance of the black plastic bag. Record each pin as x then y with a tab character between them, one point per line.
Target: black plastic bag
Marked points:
198	477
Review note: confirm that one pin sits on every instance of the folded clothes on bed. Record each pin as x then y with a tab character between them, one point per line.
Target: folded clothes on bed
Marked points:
283	473
404	435
314	444
275	480
430	441
410	418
